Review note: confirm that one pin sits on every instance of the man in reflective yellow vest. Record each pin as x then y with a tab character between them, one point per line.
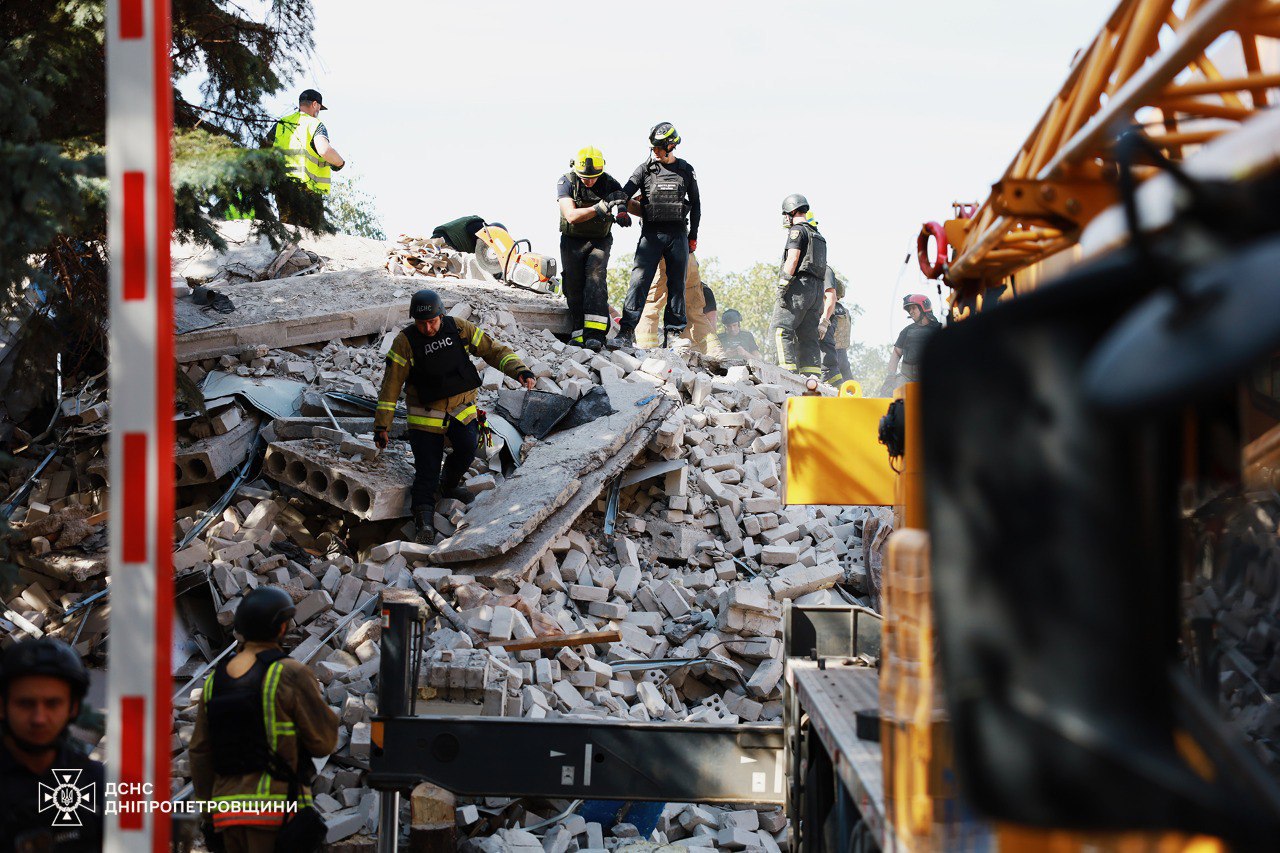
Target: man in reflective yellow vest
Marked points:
309	158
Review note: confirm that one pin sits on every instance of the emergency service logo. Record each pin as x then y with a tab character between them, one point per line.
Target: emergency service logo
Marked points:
67	798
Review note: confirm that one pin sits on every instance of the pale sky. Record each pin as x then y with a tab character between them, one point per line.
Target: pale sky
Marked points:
881	113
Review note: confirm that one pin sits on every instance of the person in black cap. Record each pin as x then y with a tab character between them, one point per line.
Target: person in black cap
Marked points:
309	159
42	685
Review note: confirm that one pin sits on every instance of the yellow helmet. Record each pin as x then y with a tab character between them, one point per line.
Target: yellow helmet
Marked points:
589	163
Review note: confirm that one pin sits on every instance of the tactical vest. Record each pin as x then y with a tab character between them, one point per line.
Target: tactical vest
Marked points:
235	709
814	262
293	136
441	365
664	195
585	196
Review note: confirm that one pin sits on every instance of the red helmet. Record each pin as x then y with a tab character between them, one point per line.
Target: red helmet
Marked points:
918	299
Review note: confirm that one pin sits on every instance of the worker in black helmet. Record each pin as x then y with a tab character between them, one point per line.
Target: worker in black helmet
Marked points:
671	207
260	720
834	332
737	341
800	289
590	201
431	360
42	686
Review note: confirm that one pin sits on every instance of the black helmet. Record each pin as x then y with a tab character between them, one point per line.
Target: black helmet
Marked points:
731	316
794	202
263	610
426	305
664	134
45	656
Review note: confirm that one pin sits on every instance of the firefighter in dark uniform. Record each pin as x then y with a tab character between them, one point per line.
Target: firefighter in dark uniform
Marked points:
669	194
590	200
800	289
834	332
431	360
260	720
42	686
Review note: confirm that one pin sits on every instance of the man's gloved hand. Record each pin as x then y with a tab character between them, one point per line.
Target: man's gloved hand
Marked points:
601	209
624	219
784	281
822	328
527	379
380	439
693	246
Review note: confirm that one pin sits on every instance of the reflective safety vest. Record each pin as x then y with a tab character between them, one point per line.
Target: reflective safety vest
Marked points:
294	134
441	366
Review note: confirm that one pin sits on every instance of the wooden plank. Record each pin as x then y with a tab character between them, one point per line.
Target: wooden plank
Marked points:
584	638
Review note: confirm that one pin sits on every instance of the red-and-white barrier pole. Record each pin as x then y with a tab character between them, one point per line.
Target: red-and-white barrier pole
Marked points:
140	215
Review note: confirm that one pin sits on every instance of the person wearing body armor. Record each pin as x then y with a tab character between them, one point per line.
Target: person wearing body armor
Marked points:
909	348
591	201
669	196
737	341
800	289
42	686
260	719
431	360
309	160
834	330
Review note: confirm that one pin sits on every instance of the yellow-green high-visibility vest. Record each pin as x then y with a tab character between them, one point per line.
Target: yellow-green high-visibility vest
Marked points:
293	136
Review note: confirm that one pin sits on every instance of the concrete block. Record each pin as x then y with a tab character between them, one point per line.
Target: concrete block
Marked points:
371	492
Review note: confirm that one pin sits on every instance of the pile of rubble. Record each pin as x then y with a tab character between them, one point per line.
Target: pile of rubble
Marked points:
702	557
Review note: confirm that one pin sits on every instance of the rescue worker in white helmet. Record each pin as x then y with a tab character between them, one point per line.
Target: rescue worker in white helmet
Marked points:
834	332
671	207
590	201
909	348
42	687
431	361
800	289
260	720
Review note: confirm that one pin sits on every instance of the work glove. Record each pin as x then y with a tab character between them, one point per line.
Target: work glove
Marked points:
693	246
623	218
822	329
784	281
380	438
527	379
601	209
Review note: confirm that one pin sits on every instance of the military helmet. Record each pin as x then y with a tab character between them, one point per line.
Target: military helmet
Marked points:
730	317
589	163
44	656
664	134
794	202
262	611
426	305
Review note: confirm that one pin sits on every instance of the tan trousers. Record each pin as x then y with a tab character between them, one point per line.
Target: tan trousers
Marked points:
699	330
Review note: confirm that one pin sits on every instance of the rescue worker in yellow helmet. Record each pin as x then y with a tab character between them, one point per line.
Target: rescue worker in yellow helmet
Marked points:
590	201
431	360
260	720
309	159
834	331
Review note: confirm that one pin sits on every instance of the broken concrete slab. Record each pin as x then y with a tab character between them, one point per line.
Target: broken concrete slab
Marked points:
328	305
551	475
209	458
370	489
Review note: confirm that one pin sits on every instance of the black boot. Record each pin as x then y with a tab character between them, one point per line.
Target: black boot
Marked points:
625	339
458	493
424	520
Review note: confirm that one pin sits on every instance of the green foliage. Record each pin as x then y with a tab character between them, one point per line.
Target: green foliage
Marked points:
351	210
870	365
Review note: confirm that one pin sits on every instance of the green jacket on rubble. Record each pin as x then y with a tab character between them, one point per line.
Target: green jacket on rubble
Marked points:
432	415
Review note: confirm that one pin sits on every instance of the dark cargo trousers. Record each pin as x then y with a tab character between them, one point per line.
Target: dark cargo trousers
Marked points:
585	263
795	321
654	246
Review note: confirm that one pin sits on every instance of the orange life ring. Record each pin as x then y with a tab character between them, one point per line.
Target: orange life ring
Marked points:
932	267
